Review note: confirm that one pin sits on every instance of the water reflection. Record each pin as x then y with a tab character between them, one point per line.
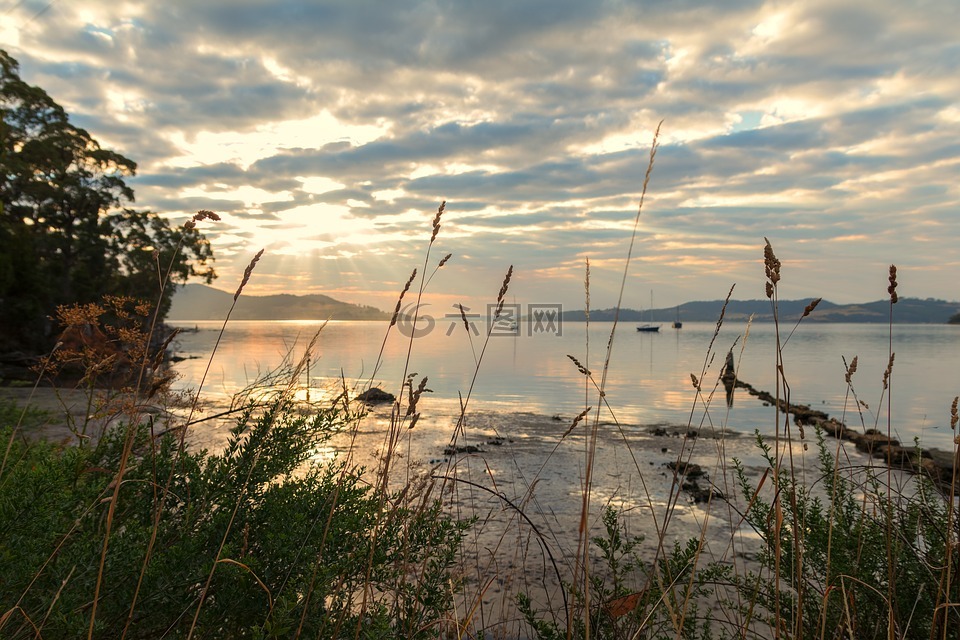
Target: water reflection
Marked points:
648	380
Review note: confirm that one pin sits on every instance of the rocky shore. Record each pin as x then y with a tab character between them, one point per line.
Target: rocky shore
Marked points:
942	467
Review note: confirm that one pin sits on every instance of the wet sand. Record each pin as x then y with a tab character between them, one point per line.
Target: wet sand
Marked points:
524	484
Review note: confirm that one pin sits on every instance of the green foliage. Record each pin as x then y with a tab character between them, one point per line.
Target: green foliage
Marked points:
310	546
632	599
853	562
62	238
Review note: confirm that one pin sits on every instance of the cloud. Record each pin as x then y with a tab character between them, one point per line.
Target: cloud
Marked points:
330	131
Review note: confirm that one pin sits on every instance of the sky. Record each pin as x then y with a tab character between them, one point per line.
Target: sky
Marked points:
328	133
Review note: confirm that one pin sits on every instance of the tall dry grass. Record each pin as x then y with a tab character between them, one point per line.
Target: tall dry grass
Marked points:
811	546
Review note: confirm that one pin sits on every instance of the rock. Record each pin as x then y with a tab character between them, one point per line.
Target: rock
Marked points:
449	451
688	469
872	440
376	395
835	428
940	466
895	456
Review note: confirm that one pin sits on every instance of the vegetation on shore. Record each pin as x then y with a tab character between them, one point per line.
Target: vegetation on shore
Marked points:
67	232
130	532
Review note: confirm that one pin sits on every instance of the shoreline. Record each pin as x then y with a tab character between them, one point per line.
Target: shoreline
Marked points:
523	482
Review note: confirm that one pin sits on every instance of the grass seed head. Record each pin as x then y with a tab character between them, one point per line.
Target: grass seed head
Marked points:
576	421
771	267
852	369
503	291
436	221
892	289
888	371
246	274
204	214
582	369
807	310
406	287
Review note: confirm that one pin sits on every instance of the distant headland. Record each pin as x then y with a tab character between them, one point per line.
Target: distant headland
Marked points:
200	302
906	311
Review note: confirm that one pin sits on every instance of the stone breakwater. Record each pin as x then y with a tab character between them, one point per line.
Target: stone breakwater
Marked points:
942	467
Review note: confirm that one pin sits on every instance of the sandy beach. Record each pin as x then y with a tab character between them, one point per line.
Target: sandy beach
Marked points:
524	484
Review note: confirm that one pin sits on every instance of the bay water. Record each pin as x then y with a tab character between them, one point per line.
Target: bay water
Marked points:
648	381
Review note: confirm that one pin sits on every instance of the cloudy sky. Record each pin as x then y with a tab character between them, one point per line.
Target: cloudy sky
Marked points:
328	132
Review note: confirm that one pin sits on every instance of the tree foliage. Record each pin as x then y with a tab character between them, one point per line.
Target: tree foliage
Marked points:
66	233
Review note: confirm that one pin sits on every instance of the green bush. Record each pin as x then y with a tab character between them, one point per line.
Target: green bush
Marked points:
303	543
862	560
630	599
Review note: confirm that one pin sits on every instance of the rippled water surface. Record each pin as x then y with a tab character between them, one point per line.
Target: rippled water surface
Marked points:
648	381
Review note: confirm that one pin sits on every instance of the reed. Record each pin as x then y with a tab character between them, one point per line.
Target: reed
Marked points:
262	540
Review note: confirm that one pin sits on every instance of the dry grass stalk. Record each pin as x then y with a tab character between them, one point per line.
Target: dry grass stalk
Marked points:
852	369
577	420
892	289
807	310
888	371
582	369
771	266
436	221
582	576
503	292
406	287
246	274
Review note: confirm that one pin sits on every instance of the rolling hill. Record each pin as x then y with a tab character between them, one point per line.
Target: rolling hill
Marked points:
907	310
200	302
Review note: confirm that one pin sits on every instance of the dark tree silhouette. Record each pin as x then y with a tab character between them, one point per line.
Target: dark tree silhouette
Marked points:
66	234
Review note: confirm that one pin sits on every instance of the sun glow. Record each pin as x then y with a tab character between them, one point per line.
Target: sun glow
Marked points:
246	147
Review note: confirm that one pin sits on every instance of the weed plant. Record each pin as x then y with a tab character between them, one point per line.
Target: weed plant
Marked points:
289	537
132	533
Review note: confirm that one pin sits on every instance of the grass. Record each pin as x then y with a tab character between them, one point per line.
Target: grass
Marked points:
134	532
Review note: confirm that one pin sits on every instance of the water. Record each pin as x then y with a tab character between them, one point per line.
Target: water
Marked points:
648	381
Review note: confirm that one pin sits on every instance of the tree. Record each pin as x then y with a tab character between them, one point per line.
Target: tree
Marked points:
66	235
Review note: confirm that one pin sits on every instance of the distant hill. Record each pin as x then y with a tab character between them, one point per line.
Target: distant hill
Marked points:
907	310
200	302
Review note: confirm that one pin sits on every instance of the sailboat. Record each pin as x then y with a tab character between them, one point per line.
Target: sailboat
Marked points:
649	327
676	323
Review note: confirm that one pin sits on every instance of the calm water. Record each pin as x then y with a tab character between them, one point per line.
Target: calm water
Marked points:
649	377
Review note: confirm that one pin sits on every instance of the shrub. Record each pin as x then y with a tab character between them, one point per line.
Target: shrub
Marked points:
862	560
295	543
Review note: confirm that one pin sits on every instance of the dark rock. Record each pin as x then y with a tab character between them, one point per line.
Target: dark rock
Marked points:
659	432
872	440
449	451
376	395
940	466
688	469
896	456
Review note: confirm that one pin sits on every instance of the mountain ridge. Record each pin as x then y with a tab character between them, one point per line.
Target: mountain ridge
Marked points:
200	302
906	311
